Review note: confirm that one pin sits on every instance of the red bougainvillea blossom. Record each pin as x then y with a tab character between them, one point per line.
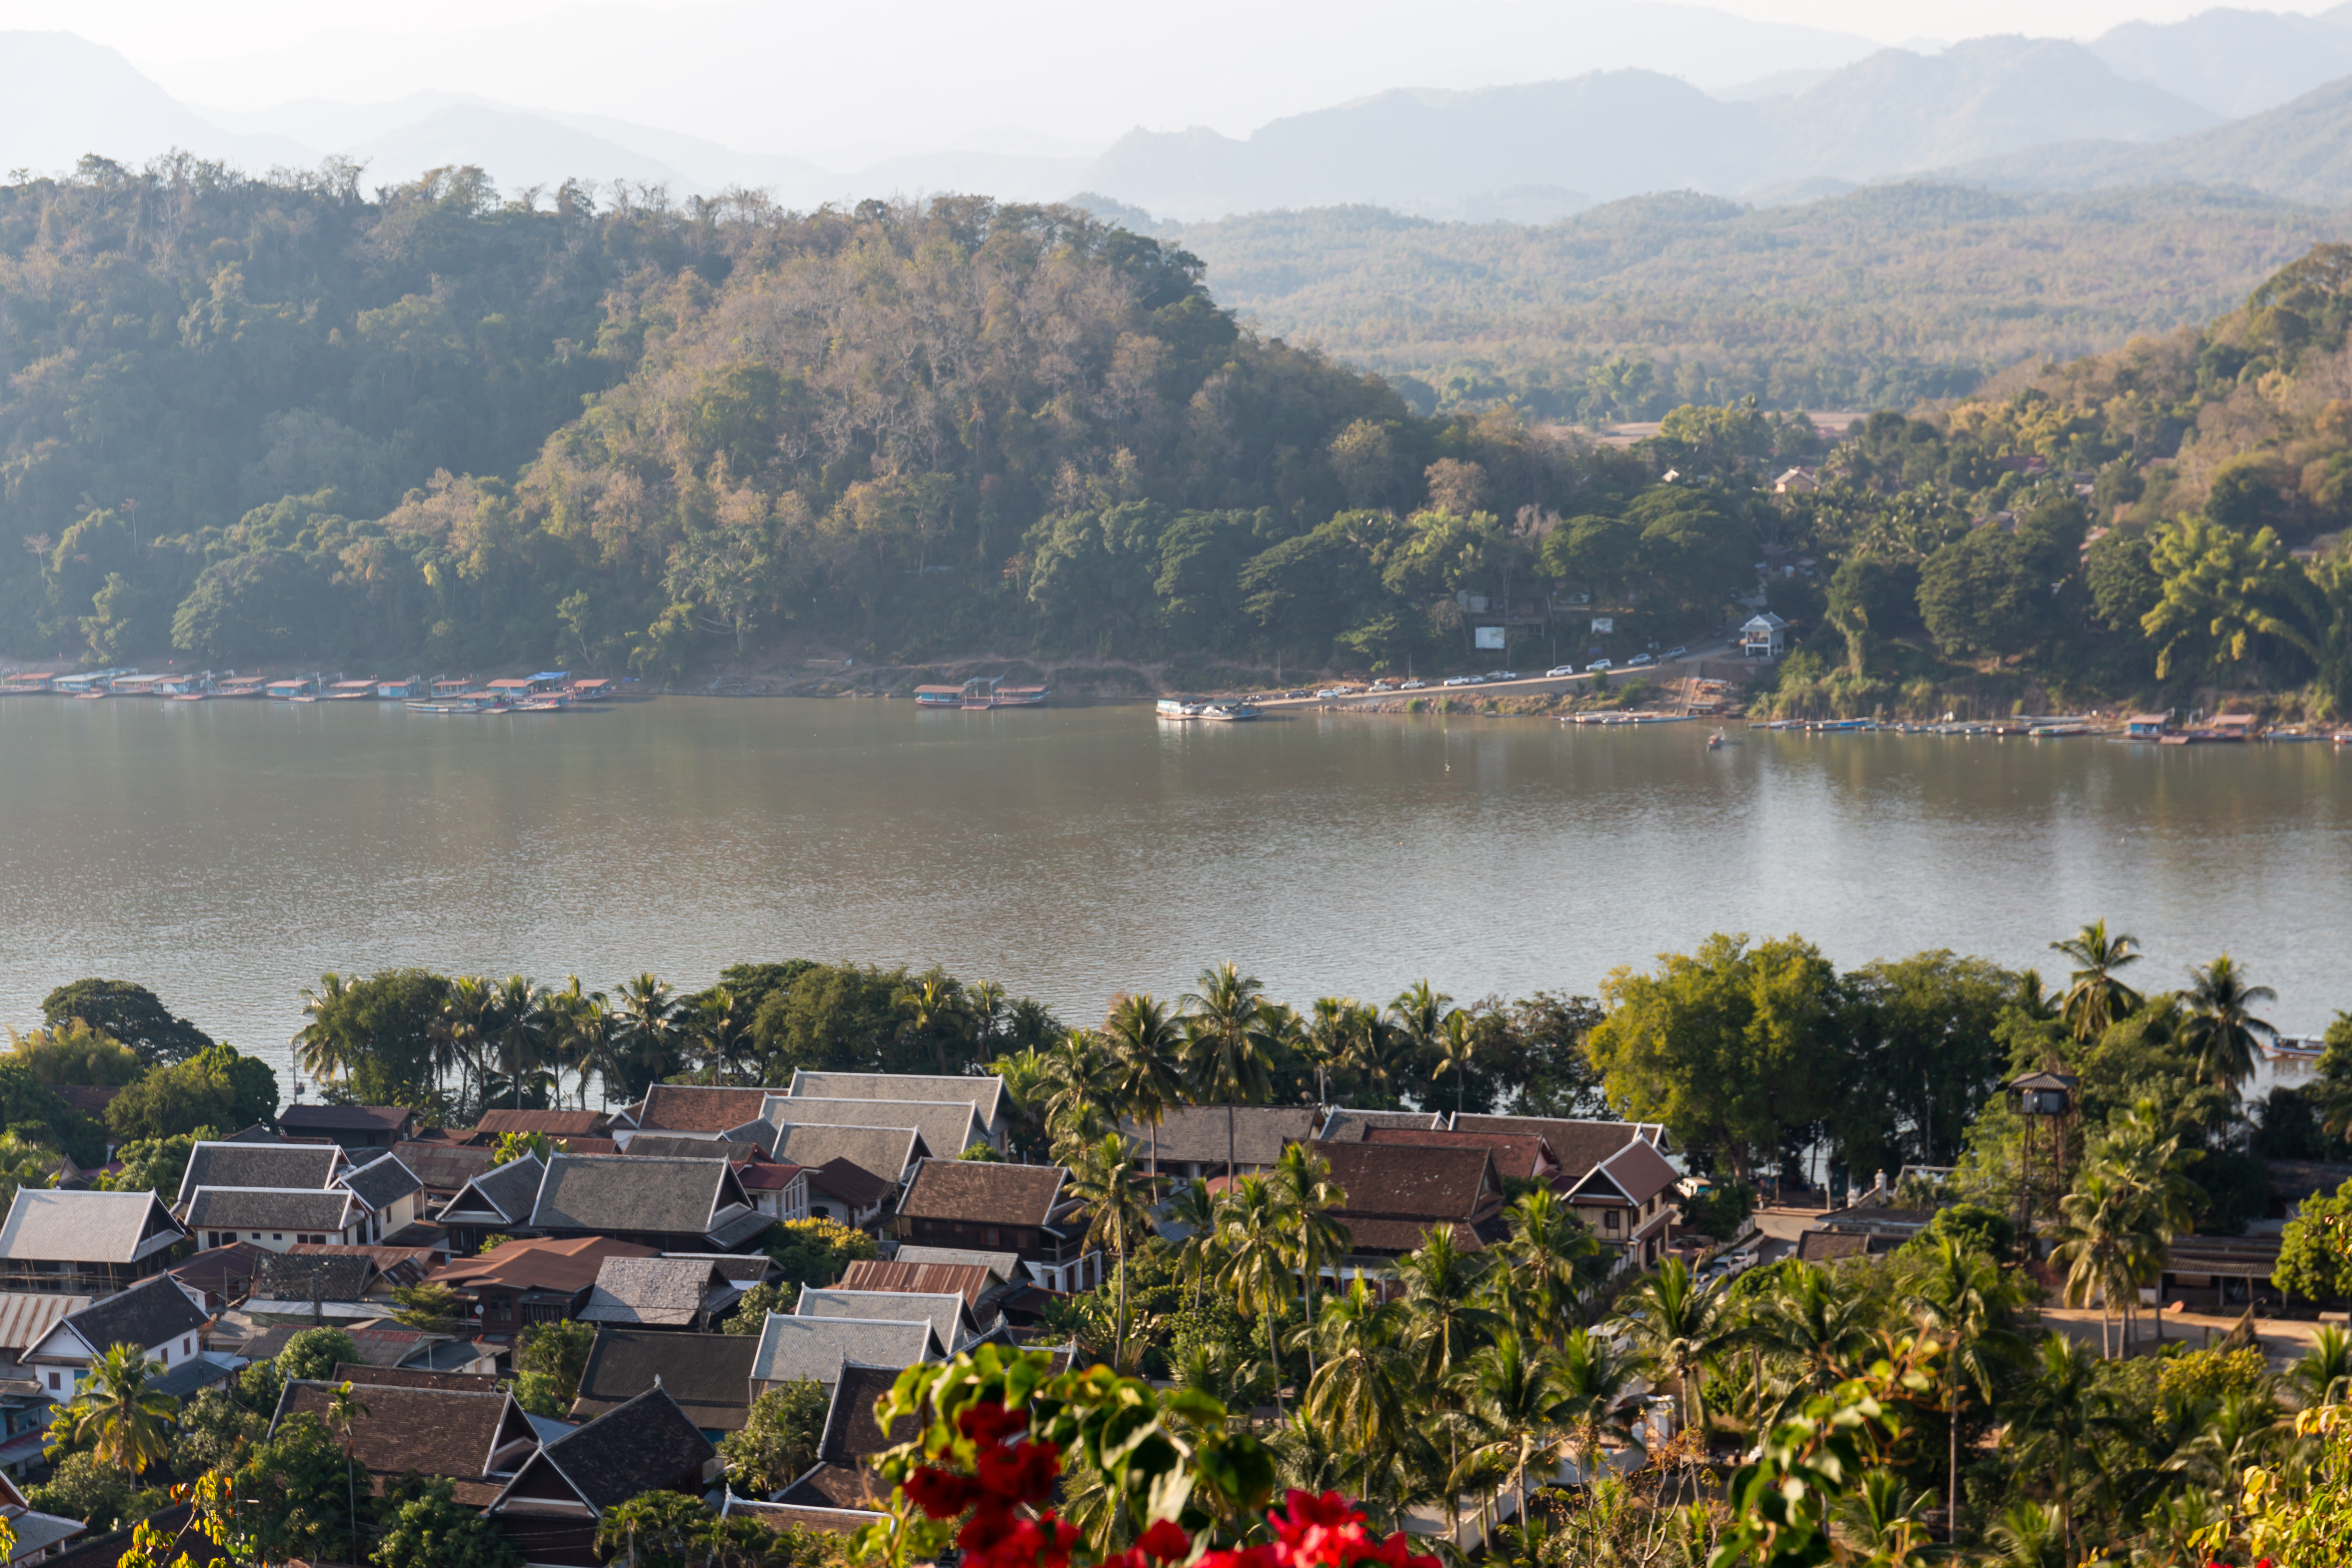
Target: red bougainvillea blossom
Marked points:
1009	1528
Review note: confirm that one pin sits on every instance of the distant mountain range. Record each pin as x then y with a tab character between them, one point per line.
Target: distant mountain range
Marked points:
2254	98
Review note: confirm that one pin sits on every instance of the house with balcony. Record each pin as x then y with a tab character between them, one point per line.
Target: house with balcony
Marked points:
86	1242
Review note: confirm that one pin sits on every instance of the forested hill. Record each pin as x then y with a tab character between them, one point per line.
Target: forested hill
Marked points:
266	419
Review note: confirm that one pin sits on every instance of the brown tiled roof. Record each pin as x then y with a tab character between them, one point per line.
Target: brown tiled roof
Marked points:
538	1263
345	1117
983	1193
415	1377
710	1376
768	1176
90	1100
400	1264
969	1280
838	1486
443	1167
828	1518
554	1123
434	1431
1820	1245
1638	1171
1577	1145
217	1270
675	1146
851	1184
1195	1134
699	1108
1371	1235
1515	1154
1401	1182
649	1442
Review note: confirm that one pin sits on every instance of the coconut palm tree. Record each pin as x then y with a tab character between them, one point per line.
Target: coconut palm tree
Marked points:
1510	1394
1961	1301
518	1030
2220	1026
1344	1041
645	1031
1077	1089
1194	1210
1104	1179
1880	1519
1027	1077
1147	1049
1255	1235
1446	1319
1676	1324
119	1414
718	1028
2105	1240
577	1032
344	1409
320	1049
1358	1393
461	1033
1555	1253
1417	1014
1229	1042
1595	1383
1457	1053
1817	1320
1303	1183
2063	1413
936	1013
2095	998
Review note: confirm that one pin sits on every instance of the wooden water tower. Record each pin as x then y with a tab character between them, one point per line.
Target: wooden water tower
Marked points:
2047	1102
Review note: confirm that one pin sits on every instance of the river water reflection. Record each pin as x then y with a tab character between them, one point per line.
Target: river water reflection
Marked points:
228	853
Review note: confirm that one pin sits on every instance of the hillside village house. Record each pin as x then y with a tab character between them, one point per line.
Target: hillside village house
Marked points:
86	1243
476	1440
710	1376
949	1127
536	1279
984	1095
551	1509
888	1155
1627	1201
992	1207
275	1219
496	1203
1764	635
817	1348
1190	1144
1399	1194
352	1126
670	1206
158	1316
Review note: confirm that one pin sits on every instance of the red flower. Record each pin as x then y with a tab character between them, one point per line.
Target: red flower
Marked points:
991	1423
942	1494
1166	1541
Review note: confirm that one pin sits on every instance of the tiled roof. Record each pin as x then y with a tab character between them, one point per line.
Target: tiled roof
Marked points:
945	1313
882	1153
744	1268
700	1108
152	1312
433	1431
710	1376
983	1192
948	1126
561	1264
300	1277
443	1167
1577	1145
1195	1134
768	1175
1395	1182
1821	1245
554	1123
382	1182
611	1193
842	1478
1346	1126
966	1281
507	1190
851	1182
657	1291
345	1117
677	1146
828	1520
415	1377
276	1165
399	1264
816	1348
221	1271
274	1209
90	1100
1517	1155
648	1442
50	1226
986	1094
189	1377
1638	1171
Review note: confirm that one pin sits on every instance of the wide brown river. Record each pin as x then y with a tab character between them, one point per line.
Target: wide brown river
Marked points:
228	853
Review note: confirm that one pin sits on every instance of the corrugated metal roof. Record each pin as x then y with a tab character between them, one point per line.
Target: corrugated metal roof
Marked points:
25	1316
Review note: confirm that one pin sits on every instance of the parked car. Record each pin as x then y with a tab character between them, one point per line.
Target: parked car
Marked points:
1638	660
1463	680
1676	651
1412	686
1333	691
1502	675
1382	686
1599	666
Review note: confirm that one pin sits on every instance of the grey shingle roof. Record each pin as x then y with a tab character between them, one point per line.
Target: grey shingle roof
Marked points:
657	1291
303	1277
508	1191
154	1312
949	1127
85	1227
883	1152
700	1108
648	1442
383	1182
946	1314
258	1165
1579	1146
345	1117
1346	1126
1195	1134
613	1194
275	1209
986	1094
708	1375
796	1347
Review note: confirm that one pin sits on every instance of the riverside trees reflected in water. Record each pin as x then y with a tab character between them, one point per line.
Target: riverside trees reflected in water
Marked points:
228	854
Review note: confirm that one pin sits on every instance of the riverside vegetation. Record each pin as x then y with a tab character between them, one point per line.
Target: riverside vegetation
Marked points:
278	419
1896	1409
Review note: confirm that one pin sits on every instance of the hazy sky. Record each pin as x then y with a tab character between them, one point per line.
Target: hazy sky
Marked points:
784	75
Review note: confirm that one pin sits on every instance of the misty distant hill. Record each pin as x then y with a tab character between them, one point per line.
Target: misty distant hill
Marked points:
1616	134
2300	151
2233	62
62	96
